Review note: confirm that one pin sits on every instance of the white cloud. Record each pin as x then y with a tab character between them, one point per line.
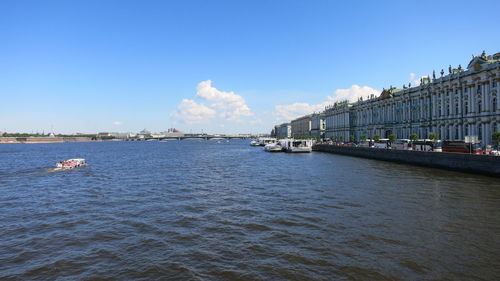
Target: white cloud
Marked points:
413	80
118	123
352	94
416	81
229	105
256	121
191	112
291	111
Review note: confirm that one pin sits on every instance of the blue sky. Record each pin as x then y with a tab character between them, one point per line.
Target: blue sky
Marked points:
219	66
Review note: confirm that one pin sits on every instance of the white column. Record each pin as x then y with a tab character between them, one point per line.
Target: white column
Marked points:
486	133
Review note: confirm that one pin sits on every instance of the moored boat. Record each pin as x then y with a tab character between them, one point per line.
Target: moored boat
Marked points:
266	141
262	141
273	147
297	146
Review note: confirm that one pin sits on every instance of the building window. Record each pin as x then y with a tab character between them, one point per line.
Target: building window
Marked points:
466	107
447	109
493	84
494	127
456	132
466	130
478	89
456	108
479	106
479	132
494	104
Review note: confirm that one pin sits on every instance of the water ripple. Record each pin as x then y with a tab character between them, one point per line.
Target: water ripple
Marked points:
202	210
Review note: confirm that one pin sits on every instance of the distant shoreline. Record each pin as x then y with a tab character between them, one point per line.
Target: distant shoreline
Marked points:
49	139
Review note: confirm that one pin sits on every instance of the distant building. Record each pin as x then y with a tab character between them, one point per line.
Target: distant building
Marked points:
318	125
158	136
173	133
104	134
337	121
120	135
461	103
144	134
301	127
464	102
174	130
284	130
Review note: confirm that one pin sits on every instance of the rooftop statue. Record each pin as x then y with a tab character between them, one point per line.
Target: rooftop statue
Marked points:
449	69
433	74
442	72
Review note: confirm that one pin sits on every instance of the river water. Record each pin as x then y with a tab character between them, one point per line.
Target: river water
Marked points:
208	210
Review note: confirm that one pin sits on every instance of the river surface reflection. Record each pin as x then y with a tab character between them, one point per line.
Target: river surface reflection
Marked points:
209	210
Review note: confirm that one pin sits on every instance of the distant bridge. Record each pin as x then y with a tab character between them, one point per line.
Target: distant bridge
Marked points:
199	136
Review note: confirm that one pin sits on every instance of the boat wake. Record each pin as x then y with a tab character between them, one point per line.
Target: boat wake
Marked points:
59	169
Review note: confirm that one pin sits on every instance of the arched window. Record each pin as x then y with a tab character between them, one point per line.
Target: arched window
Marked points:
494	104
456	108
479	106
466	107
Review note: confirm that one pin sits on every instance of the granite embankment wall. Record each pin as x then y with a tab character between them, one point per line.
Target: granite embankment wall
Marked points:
43	139
478	164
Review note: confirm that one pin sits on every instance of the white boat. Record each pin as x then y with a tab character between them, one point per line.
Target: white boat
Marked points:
70	163
273	147
297	146
262	141
266	141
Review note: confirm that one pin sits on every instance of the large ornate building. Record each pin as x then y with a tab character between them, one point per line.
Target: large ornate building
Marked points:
301	126
318	125
283	130
462	103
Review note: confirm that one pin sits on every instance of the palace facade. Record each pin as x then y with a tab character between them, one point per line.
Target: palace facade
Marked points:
464	102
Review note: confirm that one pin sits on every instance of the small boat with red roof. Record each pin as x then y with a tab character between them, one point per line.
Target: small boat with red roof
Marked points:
70	164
